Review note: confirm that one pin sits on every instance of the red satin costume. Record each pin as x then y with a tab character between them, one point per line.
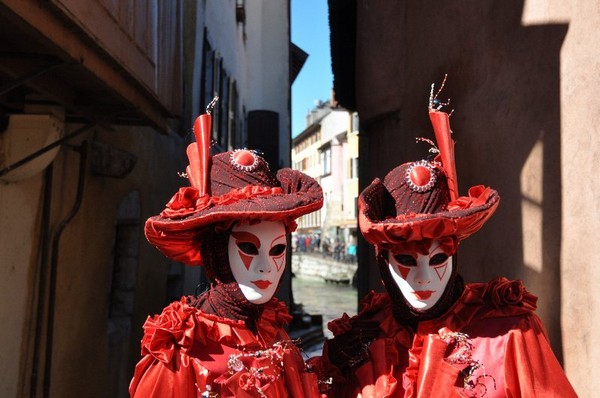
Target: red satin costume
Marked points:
184	350
222	343
505	347
478	340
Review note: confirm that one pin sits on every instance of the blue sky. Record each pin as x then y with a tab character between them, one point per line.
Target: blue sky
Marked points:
310	32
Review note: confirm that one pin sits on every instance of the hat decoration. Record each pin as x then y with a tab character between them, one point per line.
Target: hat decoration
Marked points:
420	200
228	187
421	176
443	135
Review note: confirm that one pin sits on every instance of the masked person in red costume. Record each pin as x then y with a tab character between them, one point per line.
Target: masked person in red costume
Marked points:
229	341
431	335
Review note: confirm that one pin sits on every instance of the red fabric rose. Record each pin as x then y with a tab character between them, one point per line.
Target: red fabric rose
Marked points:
506	293
340	325
374	301
478	195
162	333
184	203
184	198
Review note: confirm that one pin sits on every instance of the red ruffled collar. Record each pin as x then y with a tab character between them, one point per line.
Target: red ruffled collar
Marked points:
181	326
500	297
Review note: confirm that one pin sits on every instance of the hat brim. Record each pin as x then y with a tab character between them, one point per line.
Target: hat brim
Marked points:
179	238
465	216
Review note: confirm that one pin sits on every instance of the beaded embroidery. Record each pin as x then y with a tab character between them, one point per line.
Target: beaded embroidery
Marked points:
473	385
257	377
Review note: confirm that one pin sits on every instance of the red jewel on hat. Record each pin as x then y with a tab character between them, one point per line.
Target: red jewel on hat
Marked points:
420	176
245	160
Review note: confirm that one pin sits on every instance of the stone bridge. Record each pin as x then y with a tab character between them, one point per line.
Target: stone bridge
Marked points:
316	265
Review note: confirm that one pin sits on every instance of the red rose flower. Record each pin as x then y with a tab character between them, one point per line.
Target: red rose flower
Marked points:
340	325
478	195
185	198
172	328
506	292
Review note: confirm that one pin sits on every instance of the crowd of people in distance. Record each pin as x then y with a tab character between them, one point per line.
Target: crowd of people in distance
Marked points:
337	248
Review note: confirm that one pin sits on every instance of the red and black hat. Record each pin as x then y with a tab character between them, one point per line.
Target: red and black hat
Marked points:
419	200
232	186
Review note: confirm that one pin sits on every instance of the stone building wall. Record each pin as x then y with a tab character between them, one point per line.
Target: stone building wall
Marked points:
522	82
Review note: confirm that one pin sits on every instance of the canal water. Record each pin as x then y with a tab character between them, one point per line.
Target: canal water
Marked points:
330	300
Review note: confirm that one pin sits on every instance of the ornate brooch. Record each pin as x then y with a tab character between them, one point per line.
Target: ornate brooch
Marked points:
421	176
244	160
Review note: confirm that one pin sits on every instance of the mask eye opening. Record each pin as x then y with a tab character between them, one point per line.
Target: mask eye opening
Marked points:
438	259
277	250
405	259
247	248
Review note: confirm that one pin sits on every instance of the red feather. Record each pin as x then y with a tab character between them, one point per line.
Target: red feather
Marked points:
199	154
443	135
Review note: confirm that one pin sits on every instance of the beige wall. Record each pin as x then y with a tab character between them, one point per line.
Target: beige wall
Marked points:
580	187
522	79
85	261
19	205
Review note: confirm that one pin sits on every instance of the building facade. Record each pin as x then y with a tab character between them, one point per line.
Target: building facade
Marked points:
97	103
327	150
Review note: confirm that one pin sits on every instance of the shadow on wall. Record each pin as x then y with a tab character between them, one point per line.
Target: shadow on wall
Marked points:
504	83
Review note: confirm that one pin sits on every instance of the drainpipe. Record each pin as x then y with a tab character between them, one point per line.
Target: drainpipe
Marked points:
45	249
83	149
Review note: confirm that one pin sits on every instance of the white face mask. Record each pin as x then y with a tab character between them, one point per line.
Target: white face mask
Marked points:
257	258
422	278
